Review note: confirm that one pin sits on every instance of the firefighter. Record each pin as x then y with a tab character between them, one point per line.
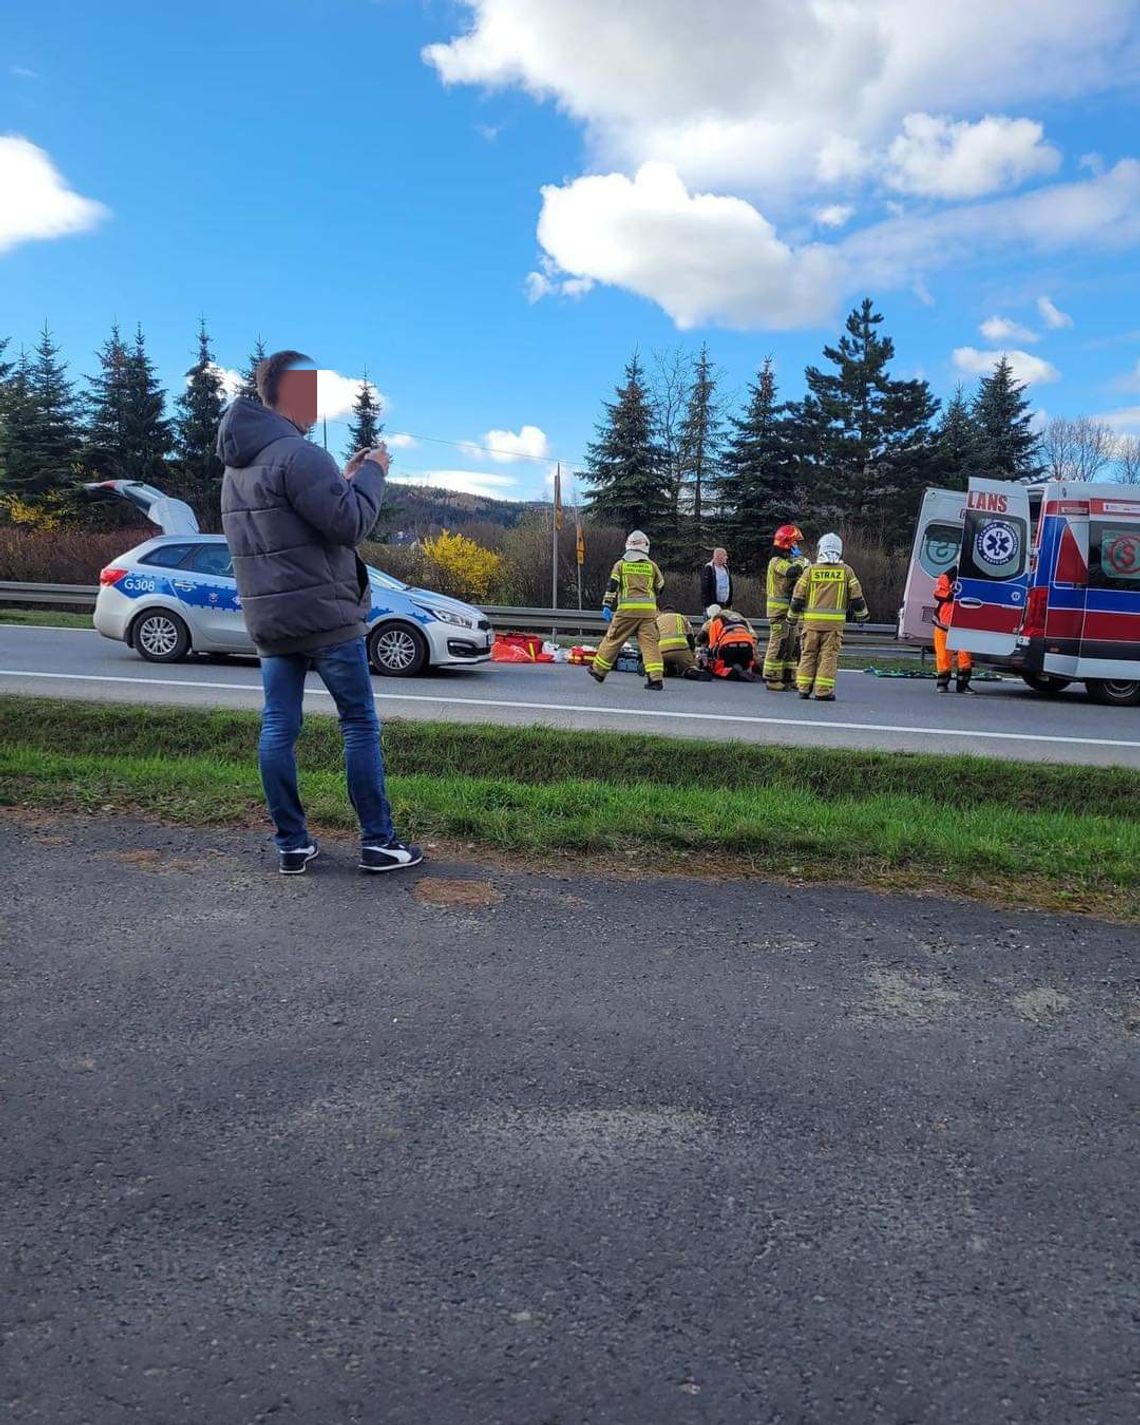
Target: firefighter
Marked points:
630	609
785	566
728	645
943	659
825	594
675	639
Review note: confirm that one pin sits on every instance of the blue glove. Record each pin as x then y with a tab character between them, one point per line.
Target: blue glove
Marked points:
608	615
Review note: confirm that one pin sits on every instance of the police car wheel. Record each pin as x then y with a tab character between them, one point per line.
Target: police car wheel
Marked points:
1046	683
396	650
1114	693
160	637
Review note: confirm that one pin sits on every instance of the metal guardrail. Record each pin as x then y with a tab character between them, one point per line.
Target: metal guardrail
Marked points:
870	637
82	595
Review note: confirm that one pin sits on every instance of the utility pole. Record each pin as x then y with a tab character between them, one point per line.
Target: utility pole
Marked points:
556	525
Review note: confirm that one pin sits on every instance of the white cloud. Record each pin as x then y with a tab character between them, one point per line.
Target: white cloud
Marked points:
1052	315
706	258
1126	419
400	441
506	446
20	71
38	203
702	257
546	281
467	482
1002	329
336	394
751	93
229	378
1093	162
1026	367
835	215
1038	420
938	158
1130	381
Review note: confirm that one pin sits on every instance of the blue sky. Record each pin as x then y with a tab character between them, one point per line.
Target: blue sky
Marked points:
491	225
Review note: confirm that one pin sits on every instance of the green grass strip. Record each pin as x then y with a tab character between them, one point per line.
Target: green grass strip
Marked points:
540	755
72	756
46	618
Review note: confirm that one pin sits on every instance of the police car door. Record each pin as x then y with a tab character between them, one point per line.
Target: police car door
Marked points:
207	589
993	569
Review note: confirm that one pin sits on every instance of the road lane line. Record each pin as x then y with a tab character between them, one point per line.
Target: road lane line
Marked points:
611	711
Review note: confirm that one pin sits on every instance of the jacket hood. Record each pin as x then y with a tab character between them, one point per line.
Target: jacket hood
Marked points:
246	429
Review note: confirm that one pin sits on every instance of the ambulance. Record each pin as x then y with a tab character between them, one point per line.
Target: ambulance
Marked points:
1048	581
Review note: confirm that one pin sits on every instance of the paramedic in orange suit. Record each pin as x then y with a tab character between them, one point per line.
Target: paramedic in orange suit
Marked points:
943	615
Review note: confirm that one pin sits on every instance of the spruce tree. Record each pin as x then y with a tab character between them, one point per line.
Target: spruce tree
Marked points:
148	437
247	387
955	443
105	404
43	441
199	410
365	427
863	436
758	486
623	465
700	454
1007	446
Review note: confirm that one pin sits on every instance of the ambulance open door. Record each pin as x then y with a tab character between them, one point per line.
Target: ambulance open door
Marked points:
993	571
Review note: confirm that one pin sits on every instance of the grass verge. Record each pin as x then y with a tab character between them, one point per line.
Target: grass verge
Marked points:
1007	831
46	618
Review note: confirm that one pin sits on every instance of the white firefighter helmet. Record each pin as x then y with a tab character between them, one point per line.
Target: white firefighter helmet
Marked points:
714	611
830	550
637	543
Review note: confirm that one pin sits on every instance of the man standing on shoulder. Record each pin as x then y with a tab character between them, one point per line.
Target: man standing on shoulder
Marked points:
825	595
945	592
292	522
716	582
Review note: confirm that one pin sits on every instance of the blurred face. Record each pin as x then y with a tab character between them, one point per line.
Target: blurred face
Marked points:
720	557
297	397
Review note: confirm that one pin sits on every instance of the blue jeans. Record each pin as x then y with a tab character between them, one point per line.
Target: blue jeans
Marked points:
344	671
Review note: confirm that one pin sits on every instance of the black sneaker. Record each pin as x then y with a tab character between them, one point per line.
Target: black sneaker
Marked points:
395	856
294	863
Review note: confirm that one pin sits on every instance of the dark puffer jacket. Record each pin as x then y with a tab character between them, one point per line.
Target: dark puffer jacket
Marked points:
292	522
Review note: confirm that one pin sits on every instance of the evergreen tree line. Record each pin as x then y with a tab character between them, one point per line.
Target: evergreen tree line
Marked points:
854	453
118	423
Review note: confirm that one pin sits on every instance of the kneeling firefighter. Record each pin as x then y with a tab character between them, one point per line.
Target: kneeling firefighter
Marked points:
943	614
630	609
676	642
727	645
785	566
825	594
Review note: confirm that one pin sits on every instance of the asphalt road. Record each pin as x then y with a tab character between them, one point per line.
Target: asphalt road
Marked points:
480	1148
1003	719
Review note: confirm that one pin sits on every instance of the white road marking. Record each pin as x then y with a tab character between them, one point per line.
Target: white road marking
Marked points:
623	712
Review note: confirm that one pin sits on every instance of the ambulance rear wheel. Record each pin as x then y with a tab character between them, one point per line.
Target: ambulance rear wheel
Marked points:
1047	683
1113	692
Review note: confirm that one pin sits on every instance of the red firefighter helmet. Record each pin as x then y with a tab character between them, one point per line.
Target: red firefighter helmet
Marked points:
787	535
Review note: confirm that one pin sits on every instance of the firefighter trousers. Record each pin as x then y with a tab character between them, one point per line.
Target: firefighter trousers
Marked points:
678	661
819	659
944	659
780	655
643	627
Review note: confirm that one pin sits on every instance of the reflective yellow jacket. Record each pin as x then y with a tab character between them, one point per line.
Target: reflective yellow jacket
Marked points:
783	572
672	632
634	586
825	593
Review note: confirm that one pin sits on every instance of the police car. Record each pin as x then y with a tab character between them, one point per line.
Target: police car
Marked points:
176	594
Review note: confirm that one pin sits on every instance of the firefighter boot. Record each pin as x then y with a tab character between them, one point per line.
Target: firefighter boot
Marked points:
943	684
963	684
655	685
825	697
597	677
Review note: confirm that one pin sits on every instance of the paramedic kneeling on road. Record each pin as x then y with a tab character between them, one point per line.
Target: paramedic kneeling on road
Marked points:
824	596
943	658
